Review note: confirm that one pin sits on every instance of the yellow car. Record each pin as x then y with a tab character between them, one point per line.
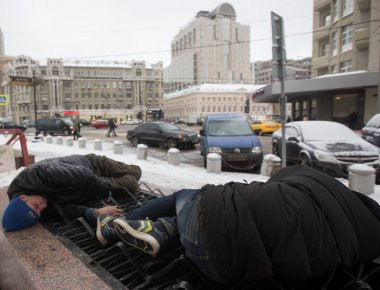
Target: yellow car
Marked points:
261	127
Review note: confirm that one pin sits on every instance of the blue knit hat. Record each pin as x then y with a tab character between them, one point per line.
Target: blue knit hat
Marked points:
18	215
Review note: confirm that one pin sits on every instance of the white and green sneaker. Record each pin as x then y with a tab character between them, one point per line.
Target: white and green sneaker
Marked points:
105	231
145	235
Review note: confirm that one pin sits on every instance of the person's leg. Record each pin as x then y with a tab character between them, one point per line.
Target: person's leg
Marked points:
117	174
190	230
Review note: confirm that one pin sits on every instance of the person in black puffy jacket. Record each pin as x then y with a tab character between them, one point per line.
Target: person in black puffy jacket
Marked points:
298	226
74	183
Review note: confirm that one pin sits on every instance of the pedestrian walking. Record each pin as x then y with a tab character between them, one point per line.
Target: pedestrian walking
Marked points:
111	128
76	129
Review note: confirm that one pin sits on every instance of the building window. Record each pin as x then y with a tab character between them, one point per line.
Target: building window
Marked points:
334	43
325	18
323	71
333	69
346	38
324	48
335	10
345	66
348	7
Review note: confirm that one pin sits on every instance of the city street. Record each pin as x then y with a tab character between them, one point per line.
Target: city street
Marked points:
188	156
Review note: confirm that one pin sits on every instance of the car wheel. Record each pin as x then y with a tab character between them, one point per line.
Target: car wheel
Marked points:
171	143
305	160
66	133
135	141
42	132
260	133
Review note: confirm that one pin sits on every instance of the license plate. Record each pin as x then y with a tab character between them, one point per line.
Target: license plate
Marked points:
237	157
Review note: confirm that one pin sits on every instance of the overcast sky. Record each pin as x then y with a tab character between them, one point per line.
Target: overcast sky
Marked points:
138	29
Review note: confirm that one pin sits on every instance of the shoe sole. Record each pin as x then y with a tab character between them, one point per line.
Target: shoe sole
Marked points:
142	241
102	240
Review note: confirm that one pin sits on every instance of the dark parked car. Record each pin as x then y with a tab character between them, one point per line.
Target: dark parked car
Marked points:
11	125
371	131
83	122
162	133
61	126
328	146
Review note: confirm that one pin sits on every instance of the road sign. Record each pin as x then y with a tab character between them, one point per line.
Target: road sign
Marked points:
21	81
4	100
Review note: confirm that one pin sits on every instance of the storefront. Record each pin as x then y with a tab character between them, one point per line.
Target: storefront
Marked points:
329	97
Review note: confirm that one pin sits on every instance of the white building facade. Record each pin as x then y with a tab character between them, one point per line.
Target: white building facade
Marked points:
202	100
212	48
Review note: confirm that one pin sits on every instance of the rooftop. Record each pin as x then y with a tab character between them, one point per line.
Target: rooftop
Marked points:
213	88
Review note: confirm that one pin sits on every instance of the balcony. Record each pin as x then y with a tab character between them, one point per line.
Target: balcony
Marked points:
321	4
321	32
364	4
362	38
319	62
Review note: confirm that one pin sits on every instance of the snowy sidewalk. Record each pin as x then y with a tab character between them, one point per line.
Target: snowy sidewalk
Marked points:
154	171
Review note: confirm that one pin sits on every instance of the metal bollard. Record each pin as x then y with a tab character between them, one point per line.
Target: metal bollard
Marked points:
49	139
142	152
59	140
118	147
82	143
270	165
361	178
69	141
98	145
214	163
173	156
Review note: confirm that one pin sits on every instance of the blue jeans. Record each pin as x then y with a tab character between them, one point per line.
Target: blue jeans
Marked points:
188	222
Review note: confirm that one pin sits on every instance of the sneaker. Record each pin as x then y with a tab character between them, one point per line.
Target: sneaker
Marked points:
142	234
105	231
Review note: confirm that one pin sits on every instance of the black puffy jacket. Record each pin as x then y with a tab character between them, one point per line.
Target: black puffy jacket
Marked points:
298	225
69	181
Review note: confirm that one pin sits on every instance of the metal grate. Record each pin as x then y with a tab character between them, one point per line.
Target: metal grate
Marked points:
124	267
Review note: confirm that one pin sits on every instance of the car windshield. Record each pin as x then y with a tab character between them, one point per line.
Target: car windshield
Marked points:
374	121
168	127
327	131
229	127
68	122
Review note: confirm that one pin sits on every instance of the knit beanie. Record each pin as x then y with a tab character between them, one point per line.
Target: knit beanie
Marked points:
18	215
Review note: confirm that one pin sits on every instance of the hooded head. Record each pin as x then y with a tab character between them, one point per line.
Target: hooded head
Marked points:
23	211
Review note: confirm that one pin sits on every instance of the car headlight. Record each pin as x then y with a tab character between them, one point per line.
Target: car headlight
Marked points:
324	156
257	150
215	150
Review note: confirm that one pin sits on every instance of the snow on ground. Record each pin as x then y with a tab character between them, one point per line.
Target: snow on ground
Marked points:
154	170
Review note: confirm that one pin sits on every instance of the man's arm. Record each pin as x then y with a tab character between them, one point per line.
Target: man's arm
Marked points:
73	177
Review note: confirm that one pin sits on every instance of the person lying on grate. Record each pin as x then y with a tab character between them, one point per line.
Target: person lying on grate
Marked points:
298	225
75	183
